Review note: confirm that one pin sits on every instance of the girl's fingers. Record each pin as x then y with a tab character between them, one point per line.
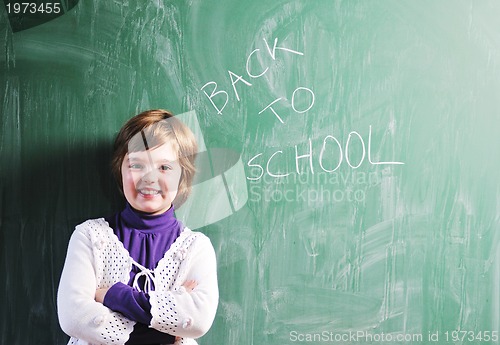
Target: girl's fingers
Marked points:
190	285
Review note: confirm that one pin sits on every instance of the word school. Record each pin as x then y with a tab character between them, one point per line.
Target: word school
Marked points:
328	142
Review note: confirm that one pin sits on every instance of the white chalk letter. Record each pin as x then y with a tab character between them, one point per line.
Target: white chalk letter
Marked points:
213	94
248	66
267	166
273	52
293	99
233	82
272	109
255	165
297	157
323	151
347	150
370	149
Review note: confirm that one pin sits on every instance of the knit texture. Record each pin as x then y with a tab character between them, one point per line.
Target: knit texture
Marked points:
97	259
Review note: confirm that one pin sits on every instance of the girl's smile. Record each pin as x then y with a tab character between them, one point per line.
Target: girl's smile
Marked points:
151	178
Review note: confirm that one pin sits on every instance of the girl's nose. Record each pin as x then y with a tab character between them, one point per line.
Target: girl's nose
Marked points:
151	176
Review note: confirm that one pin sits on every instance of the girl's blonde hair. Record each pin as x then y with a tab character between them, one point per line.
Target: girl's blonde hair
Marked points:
153	128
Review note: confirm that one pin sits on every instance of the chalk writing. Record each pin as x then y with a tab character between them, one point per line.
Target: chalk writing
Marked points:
222	97
256	164
270	106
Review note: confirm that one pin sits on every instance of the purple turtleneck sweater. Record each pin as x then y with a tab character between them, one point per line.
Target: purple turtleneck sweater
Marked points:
146	238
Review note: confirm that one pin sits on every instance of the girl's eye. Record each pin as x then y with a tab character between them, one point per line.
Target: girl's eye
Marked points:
135	166
165	167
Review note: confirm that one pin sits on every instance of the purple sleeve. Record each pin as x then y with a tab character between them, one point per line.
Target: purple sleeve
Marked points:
134	305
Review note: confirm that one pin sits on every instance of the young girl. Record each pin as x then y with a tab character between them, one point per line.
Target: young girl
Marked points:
140	276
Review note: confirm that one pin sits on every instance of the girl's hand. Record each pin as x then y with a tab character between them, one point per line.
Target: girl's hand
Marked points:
99	294
189	285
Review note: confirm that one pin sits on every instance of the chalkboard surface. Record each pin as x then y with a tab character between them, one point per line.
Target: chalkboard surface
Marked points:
361	203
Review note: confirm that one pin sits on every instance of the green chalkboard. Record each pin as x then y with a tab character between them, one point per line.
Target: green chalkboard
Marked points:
349	177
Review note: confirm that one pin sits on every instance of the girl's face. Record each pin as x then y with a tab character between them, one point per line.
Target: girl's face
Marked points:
151	178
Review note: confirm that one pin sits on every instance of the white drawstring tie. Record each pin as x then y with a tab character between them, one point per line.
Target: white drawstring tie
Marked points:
149	281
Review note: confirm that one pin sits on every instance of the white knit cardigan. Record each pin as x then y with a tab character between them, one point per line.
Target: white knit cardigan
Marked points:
97	259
